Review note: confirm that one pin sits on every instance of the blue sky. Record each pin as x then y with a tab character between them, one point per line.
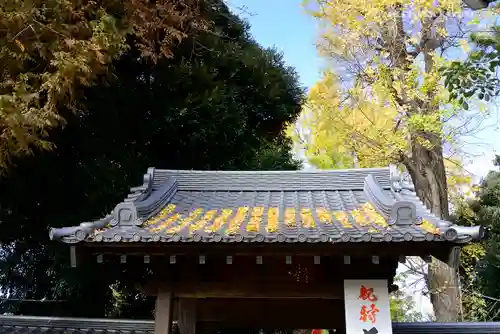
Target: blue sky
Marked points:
285	25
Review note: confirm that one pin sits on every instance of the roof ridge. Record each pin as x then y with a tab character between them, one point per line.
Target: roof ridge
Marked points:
210	180
128	325
301	171
48	318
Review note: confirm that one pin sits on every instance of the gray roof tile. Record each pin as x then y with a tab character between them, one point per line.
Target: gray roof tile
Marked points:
35	325
53	325
270	180
358	205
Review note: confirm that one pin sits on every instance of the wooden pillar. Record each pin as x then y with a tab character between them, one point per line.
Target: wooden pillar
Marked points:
163	311
187	315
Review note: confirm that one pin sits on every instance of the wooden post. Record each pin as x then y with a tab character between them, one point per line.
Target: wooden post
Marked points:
187	315
163	311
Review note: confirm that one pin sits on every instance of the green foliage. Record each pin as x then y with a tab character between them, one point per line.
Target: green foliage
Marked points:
403	306
402	309
474	307
488	210
476	76
480	262
221	102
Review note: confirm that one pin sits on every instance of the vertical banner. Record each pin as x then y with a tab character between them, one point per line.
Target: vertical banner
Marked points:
367	309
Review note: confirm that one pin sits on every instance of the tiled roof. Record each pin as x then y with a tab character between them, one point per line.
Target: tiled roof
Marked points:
52	325
446	328
36	325
358	205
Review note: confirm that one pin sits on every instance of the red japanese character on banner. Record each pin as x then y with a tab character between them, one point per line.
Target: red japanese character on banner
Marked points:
367	294
369	314
363	316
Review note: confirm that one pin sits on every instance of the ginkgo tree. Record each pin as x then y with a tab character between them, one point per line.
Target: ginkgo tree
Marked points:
382	101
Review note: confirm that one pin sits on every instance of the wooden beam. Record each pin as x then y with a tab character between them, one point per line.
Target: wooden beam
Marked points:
163	311
454	257
72	256
427	258
257	290
187	316
393	288
272	313
274	274
383	249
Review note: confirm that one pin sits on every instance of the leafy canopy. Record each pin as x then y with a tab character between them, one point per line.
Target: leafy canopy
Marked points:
403	307
51	49
382	100
383	92
477	75
379	90
221	102
480	262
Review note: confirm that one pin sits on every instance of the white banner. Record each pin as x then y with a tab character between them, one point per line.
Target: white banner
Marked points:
367	309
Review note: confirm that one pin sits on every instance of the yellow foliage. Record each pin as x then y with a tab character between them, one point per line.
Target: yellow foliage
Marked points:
460	181
383	101
383	93
359	127
50	50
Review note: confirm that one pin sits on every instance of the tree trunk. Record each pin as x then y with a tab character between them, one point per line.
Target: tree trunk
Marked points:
427	171
428	174
426	167
444	288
